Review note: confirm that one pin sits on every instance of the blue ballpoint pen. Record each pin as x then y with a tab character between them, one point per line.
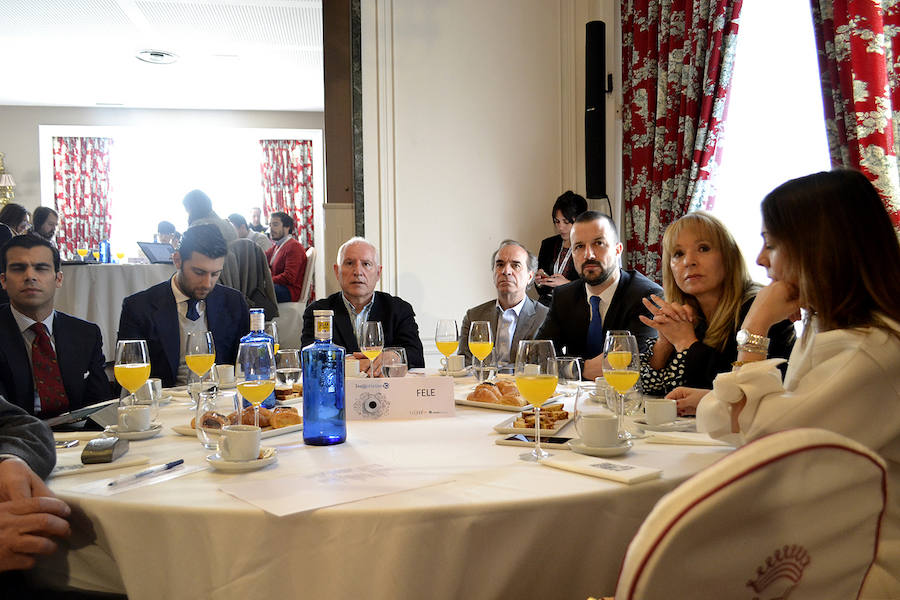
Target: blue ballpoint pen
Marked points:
146	472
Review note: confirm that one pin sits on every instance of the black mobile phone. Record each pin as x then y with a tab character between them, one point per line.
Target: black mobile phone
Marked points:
520	439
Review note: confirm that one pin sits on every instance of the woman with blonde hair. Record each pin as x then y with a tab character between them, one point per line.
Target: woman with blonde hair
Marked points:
830	249
708	293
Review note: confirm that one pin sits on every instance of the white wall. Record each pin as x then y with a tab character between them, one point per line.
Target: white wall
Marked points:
19	132
473	125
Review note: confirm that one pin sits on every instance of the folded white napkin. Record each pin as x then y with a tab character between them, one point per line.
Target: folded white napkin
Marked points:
683	438
603	468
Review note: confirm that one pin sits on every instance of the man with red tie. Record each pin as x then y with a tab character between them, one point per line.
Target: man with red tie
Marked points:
287	258
50	362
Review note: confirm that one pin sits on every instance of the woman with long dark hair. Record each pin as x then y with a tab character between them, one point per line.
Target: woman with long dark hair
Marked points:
831	250
13	221
555	264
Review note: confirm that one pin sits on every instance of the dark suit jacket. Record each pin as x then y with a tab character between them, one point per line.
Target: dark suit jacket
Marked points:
546	257
79	352
152	315
27	437
530	319
567	322
398	320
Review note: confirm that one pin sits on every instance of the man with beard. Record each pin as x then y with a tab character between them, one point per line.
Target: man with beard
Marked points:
287	258
44	220
189	302
605	298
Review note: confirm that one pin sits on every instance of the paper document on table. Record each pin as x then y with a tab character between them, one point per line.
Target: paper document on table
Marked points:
606	469
299	493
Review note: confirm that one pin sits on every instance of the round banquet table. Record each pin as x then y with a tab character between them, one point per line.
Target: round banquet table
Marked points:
498	527
94	292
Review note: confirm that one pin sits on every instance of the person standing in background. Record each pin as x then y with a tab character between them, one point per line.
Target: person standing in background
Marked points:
255	223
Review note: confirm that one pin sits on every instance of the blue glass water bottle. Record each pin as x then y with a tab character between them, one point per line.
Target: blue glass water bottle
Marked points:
324	421
258	334
104	252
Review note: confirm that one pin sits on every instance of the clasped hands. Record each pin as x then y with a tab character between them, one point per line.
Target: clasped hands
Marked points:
30	516
674	322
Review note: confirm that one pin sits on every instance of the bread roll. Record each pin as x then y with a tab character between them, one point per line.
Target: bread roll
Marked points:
485	392
284	417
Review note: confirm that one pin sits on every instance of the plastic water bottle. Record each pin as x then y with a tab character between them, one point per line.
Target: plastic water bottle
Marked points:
258	334
324	421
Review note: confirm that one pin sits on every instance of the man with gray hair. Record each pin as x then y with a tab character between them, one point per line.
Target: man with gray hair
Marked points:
358	271
513	315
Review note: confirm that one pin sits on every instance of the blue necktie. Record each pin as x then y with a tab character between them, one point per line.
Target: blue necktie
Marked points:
192	313
594	344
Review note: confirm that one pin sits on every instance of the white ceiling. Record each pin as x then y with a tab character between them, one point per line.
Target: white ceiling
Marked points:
233	54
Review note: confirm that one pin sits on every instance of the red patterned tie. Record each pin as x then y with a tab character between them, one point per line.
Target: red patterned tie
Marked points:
46	374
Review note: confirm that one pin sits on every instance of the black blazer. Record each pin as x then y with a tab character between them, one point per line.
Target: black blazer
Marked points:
398	320
152	315
79	352
567	322
546	257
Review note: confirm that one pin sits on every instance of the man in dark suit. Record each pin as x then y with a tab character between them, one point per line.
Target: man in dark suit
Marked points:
358	271
50	362
605	298
191	301
30	516
513	315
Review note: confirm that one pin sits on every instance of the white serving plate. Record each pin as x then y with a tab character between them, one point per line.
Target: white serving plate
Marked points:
266	433
269	455
506	426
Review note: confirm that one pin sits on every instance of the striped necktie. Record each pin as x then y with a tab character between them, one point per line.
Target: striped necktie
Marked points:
47	377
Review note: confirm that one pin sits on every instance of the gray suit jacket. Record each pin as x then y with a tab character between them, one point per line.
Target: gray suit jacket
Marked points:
530	319
27	437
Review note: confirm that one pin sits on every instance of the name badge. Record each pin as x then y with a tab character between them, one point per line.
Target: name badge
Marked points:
399	398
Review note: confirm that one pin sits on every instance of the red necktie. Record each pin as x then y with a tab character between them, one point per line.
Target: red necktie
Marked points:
46	374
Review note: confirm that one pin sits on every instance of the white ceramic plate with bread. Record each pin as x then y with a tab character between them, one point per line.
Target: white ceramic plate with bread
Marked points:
266	432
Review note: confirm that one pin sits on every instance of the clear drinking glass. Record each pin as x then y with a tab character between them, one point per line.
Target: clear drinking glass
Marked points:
569	370
206	402
371	340
256	363
393	362
536	378
132	364
446	338
272	329
287	367
481	343
621	369
200	357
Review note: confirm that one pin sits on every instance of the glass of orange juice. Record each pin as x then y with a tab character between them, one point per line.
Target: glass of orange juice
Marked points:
132	364
256	364
371	342
200	354
481	343
82	252
446	338
621	369
536	378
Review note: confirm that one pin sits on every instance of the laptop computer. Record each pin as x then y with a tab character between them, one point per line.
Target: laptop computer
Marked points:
156	252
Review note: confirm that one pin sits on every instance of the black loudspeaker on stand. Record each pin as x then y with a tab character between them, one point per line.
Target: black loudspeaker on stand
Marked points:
597	83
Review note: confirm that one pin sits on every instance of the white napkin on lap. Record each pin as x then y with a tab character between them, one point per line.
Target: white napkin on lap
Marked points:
603	468
683	438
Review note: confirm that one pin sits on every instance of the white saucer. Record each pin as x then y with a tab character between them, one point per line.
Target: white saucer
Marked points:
601	451
154	430
269	455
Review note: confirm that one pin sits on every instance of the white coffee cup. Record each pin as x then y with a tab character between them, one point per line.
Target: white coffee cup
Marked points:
598	429
226	375
239	442
660	410
351	367
134	418
454	363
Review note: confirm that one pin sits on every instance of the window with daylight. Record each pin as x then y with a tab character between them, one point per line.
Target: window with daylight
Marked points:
776	126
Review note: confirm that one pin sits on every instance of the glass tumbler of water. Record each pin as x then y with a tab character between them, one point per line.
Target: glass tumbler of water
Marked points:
287	368
206	406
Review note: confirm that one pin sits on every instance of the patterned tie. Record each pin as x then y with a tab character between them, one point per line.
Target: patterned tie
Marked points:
594	344
192	313
46	374
504	337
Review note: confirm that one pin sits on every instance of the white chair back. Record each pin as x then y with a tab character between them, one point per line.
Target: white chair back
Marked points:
796	513
308	275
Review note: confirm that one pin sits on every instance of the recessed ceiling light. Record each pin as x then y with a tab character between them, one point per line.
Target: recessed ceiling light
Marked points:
157	57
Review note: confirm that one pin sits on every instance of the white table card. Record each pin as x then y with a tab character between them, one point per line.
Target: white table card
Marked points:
399	398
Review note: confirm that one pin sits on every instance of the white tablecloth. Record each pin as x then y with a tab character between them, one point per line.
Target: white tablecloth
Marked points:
485	534
94	292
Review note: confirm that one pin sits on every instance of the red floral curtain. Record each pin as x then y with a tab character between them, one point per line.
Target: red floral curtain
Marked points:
81	192
677	58
287	183
858	63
